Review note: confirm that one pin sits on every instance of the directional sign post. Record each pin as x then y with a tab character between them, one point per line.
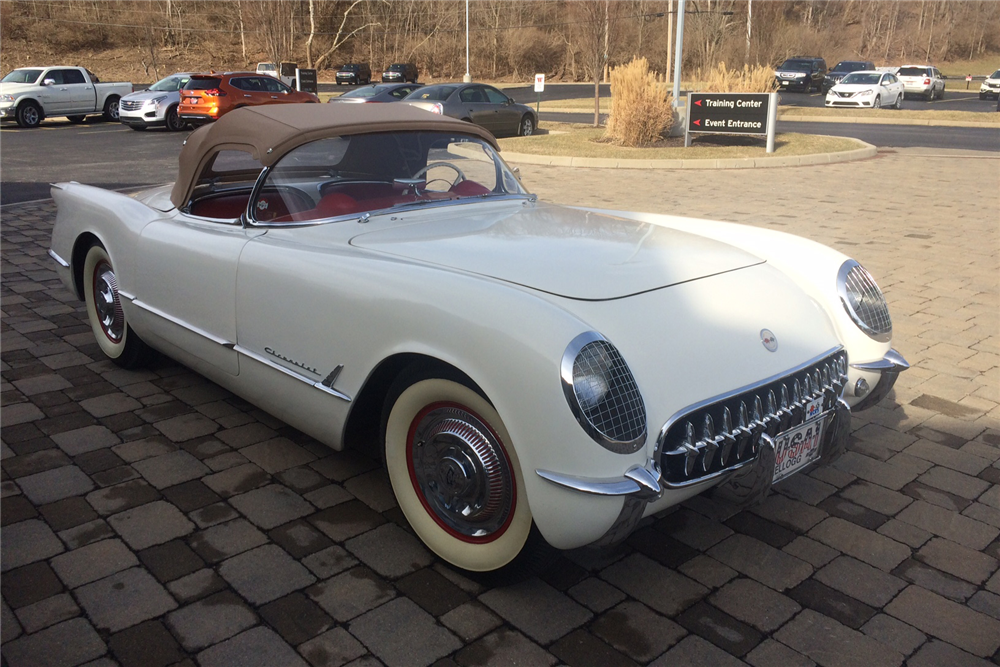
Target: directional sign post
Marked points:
539	87
732	113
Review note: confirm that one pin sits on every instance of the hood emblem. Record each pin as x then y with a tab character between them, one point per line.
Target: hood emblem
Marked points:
769	339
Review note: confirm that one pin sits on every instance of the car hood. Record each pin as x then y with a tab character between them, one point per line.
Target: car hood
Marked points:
562	251
143	95
853	87
16	88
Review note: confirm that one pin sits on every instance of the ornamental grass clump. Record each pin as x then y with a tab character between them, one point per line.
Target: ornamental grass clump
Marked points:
755	79
640	107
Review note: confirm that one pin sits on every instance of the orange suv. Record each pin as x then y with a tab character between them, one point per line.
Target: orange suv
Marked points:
206	97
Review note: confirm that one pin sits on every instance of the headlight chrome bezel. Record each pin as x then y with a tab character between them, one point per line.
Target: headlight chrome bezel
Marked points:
619	385
853	279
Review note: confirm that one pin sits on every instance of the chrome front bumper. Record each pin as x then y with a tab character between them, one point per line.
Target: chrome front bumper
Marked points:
888	367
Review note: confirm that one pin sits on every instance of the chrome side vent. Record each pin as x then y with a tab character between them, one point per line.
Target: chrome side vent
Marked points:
704	441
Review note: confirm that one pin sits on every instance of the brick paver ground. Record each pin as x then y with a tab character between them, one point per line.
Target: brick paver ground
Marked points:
152	519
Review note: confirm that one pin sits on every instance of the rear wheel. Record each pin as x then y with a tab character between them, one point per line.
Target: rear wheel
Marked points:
29	114
457	477
899	101
104	310
174	122
111	109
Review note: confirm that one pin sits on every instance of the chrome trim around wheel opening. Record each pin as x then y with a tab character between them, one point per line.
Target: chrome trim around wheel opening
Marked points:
642	482
315	384
59	260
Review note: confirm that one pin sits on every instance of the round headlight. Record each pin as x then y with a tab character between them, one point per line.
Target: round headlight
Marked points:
863	301
603	395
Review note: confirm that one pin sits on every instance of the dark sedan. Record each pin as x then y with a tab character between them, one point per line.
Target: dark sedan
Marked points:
477	103
378	92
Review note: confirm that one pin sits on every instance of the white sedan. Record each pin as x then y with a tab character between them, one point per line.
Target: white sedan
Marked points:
533	376
867	90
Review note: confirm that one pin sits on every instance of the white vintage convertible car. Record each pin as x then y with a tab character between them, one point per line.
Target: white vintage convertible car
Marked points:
534	376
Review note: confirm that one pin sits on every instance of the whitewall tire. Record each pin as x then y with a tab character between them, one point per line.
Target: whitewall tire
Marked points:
455	474
107	319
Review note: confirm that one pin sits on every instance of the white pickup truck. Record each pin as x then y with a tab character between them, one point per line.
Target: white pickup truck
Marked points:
30	94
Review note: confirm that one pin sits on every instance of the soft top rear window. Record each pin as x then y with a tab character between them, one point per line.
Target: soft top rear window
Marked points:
914	71
202	83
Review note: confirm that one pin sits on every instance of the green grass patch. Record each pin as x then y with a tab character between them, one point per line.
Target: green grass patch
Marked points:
576	140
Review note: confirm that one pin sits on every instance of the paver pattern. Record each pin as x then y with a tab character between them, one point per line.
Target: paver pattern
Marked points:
151	518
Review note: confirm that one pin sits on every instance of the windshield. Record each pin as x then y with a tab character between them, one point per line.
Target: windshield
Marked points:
913	71
431	94
202	83
848	66
171	83
995	75
23	76
397	68
797	65
350	68
865	78
348	176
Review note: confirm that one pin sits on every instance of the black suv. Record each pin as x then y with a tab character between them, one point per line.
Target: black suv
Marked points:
804	73
354	73
400	73
843	68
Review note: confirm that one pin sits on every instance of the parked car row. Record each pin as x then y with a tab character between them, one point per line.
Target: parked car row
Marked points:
359	73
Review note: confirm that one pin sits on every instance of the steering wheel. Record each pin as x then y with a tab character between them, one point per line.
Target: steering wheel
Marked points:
458	179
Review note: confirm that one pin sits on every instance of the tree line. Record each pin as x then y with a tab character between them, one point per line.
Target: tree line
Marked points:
507	39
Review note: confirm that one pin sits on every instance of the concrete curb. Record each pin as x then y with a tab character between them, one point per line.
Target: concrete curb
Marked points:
864	151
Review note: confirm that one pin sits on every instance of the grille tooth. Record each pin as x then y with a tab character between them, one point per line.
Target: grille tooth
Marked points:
708	445
728	439
746	433
691	455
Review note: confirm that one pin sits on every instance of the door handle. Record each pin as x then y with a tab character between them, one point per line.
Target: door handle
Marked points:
245	95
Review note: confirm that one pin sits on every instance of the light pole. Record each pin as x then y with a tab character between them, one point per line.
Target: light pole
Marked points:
468	77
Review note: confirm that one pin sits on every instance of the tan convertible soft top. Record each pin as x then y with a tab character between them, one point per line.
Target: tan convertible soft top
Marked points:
270	131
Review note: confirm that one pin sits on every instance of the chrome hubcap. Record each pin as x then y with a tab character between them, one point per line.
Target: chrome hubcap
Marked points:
459	468
109	308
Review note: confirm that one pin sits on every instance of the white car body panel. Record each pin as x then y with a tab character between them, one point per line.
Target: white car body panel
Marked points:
298	319
61	100
865	94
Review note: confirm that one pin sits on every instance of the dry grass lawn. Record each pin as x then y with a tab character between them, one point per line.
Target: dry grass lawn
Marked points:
581	140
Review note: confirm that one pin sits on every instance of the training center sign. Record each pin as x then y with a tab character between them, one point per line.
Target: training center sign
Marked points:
732	113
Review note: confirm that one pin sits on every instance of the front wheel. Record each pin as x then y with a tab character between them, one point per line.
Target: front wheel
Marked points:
29	115
527	127
877	104
457	477
104	309
111	109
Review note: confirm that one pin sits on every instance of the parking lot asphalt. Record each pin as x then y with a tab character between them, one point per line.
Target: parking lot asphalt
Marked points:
151	518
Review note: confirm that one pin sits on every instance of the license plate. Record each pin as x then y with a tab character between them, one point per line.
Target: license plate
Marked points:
191	100
798	447
784	83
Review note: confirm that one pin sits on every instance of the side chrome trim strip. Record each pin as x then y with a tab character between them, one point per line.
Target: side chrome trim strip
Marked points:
301	378
639	481
59	260
892	362
179	322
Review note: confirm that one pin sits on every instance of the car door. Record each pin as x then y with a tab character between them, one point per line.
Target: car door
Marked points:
186	287
79	93
506	116
277	92
253	90
476	107
57	98
893	87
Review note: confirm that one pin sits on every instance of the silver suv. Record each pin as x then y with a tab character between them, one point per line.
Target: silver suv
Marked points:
922	80
156	106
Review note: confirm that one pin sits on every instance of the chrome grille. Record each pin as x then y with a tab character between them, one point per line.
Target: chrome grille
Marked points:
725	433
621	415
866	302
130	105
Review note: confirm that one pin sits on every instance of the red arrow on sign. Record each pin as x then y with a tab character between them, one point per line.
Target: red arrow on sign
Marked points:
697	122
697	103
